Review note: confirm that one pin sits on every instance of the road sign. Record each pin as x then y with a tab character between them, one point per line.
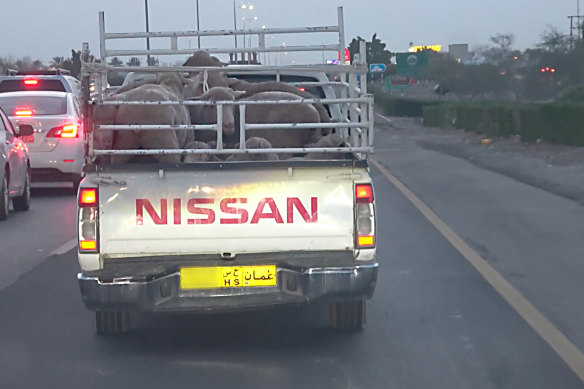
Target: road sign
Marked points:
377	68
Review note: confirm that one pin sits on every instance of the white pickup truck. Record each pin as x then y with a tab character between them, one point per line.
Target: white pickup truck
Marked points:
217	236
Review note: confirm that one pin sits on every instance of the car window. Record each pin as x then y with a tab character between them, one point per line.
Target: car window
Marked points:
34	105
19	85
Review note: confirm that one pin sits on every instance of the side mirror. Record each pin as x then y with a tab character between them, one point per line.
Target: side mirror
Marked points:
25	130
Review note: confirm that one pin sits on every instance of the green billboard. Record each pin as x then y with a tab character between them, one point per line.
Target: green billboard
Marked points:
414	65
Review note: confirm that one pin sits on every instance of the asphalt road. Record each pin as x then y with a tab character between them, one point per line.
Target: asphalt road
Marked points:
434	321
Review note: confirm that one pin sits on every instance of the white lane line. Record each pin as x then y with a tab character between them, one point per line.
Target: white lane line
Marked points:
384	117
550	333
65	248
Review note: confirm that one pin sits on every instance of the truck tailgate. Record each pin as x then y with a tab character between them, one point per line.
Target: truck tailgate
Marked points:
227	211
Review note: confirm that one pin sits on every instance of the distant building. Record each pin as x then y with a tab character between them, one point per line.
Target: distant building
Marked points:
459	52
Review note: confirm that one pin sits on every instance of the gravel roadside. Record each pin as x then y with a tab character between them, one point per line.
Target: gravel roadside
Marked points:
554	168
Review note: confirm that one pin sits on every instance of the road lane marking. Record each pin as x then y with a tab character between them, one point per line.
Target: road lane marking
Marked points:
384	117
546	329
65	248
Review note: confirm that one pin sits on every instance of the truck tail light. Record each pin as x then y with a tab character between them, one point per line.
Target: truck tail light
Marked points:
65	131
364	217
88	220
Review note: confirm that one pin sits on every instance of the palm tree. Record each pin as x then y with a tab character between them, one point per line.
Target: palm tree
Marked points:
116	62
134	61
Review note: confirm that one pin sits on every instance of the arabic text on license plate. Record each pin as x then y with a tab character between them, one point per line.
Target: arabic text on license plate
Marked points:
227	277
27	138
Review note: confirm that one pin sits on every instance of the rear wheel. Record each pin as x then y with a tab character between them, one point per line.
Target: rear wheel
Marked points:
4	199
22	203
112	322
348	315
76	181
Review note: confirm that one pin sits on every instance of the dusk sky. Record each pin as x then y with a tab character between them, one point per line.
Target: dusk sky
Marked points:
43	29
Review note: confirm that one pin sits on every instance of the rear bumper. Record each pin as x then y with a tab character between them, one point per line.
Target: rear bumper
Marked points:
295	286
70	150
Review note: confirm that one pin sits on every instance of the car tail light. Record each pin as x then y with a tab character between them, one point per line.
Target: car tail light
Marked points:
23	112
65	131
302	89
88	220
364	216
31	81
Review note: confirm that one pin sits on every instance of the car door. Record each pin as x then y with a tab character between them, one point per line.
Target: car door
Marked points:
16	156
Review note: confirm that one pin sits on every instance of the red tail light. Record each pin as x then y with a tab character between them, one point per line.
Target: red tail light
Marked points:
88	217
66	131
302	89
23	112
88	197
31	81
364	217
364	193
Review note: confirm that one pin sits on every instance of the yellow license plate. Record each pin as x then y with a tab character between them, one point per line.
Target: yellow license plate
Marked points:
227	277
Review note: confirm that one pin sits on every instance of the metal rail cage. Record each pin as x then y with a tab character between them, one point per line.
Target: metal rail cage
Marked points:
352	106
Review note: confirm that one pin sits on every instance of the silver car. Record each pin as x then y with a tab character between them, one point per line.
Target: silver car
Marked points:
14	167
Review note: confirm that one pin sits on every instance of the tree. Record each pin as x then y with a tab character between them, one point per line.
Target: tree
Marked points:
153	61
553	41
57	62
500	54
375	50
134	61
115	61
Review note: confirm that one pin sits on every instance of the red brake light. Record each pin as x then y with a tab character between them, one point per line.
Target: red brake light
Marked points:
66	131
88	197
302	89
23	112
364	193
31	81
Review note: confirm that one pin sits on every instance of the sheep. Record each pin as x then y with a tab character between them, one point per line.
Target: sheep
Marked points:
286	113
207	114
203	82
252	88
146	114
328	141
203	58
193	158
255	143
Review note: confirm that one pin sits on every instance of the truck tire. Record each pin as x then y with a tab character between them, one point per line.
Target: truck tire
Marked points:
4	199
112	322
348	315
76	181
22	203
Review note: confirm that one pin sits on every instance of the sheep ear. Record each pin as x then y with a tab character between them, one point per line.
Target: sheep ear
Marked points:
239	93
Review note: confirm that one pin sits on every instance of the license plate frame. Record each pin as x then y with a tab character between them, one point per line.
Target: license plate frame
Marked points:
218	277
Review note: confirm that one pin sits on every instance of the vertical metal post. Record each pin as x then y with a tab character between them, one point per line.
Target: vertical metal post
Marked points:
242	126
371	121
219	126
198	26
101	82
235	24
147	30
342	44
363	54
102	52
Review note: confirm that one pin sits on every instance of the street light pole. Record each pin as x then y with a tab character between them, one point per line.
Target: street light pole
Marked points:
147	31
198	26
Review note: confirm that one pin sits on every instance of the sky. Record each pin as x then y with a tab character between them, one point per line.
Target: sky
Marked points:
44	29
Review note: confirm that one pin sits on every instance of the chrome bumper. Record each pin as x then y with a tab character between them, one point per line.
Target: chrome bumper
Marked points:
295	286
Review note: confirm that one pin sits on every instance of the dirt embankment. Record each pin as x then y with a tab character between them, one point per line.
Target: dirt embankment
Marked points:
554	168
